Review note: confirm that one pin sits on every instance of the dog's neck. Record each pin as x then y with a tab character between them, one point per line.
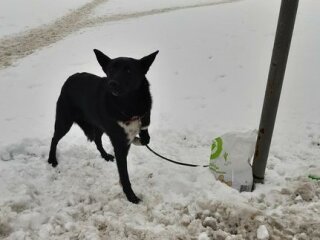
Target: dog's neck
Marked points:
132	105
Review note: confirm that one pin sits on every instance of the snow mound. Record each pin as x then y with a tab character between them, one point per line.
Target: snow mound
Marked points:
82	199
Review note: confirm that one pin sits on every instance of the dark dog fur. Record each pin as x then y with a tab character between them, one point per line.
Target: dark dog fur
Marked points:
118	105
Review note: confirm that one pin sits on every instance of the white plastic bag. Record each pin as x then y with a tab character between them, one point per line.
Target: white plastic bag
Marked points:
230	159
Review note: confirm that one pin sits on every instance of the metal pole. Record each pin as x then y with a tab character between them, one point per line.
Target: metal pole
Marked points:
277	69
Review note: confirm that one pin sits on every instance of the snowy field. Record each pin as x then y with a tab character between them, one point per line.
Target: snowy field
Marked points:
208	79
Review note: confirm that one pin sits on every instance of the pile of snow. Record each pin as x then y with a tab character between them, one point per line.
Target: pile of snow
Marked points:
82	199
208	79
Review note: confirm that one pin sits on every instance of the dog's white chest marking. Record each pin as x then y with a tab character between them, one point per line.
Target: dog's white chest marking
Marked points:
131	128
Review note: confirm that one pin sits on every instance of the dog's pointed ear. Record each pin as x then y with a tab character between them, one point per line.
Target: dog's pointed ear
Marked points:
147	61
102	58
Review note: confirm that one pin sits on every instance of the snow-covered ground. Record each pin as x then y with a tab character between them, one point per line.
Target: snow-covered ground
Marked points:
208	79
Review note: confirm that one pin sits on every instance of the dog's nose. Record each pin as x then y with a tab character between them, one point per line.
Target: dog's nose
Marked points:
113	84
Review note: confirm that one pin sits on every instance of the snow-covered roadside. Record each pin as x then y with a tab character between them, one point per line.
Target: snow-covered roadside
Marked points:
218	68
21	45
20	15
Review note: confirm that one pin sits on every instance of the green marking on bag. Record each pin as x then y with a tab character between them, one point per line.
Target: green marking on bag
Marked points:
213	146
216	148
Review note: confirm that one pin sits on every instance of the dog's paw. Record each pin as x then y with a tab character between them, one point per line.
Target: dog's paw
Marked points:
107	157
131	196
144	141
134	199
144	137
53	162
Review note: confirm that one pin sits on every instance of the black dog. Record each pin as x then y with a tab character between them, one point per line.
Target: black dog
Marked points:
118	105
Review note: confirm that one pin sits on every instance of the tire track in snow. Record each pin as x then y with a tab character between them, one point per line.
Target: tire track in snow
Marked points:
16	47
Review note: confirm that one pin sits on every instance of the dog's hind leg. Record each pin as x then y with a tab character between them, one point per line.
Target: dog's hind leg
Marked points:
98	142
63	124
87	128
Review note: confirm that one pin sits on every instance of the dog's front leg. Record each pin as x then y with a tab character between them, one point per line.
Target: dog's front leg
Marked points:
144	133
121	151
